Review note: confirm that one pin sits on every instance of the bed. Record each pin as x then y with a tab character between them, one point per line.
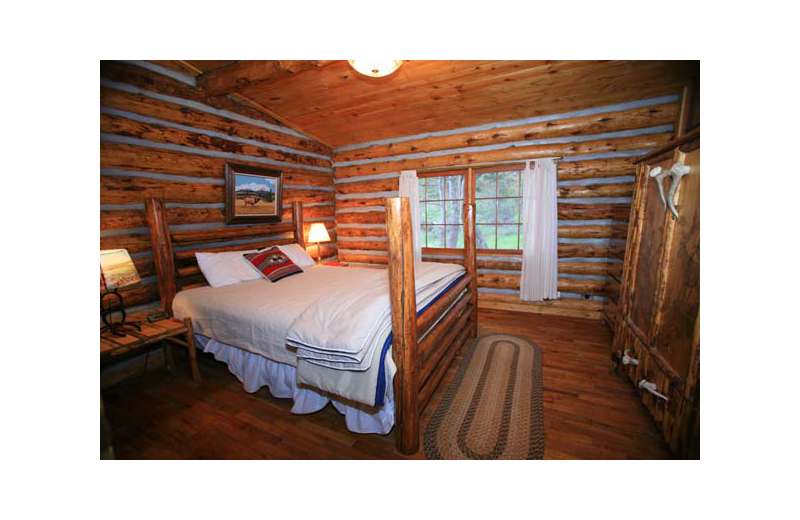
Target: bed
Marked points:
270	334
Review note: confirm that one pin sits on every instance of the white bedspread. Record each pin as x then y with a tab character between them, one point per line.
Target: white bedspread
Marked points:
341	317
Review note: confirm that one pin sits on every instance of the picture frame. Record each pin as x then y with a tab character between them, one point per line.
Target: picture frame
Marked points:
252	195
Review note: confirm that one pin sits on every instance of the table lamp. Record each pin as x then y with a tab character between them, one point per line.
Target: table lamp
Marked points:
116	270
318	234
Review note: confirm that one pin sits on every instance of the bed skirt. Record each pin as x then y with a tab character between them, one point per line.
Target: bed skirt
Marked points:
255	371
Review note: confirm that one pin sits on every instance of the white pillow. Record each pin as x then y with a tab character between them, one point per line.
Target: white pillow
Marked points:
297	255
227	268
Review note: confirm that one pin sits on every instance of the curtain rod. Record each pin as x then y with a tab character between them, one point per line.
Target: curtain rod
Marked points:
481	165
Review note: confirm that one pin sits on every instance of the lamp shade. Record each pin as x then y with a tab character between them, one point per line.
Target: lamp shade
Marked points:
318	233
117	269
375	68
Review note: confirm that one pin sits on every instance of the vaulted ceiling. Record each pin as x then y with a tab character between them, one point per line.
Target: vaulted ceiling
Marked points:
329	101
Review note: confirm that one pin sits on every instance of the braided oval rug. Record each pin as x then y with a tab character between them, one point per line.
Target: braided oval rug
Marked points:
493	407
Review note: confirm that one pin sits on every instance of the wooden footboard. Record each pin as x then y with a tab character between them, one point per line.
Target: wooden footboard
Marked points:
421	365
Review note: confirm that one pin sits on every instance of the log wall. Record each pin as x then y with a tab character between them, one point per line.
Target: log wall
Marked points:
595	183
160	135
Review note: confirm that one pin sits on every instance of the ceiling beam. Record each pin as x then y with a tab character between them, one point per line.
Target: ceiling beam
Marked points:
242	74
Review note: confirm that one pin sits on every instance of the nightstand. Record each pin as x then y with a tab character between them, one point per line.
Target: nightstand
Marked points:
336	264
167	332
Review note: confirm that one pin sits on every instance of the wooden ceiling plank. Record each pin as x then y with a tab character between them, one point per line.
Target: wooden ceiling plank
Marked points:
236	76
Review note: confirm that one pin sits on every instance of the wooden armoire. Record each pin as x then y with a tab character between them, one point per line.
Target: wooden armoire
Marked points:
656	318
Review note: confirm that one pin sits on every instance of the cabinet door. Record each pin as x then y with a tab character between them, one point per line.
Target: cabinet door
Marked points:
646	254
679	301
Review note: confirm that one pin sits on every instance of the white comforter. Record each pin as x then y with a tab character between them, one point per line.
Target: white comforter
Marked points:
340	316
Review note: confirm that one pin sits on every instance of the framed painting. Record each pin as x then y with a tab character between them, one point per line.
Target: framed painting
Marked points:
252	194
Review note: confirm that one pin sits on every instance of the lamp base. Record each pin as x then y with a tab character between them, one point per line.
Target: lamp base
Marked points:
115	327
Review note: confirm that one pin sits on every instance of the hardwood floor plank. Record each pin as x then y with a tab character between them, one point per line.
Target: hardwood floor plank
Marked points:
589	411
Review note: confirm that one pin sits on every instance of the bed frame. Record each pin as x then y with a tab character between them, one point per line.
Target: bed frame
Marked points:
421	365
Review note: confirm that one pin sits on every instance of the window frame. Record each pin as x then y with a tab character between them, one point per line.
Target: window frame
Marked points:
473	172
445	173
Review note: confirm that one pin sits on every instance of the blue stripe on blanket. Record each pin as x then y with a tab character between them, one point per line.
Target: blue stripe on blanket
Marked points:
380	390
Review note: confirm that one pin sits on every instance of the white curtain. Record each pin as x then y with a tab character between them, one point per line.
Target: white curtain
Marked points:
409	187
540	230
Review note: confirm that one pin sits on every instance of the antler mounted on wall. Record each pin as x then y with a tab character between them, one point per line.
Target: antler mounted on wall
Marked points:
677	172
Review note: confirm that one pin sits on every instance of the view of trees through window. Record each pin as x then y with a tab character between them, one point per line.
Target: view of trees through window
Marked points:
441	201
498	210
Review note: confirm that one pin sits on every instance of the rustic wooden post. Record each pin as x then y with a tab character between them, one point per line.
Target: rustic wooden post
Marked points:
470	254
297	219
162	251
404	323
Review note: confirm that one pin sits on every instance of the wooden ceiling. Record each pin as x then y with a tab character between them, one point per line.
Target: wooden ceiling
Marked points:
329	101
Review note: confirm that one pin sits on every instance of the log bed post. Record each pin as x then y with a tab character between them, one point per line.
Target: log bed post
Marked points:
470	254
297	219
162	251
403	299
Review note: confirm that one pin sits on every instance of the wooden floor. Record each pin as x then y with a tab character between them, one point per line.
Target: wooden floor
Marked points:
590	412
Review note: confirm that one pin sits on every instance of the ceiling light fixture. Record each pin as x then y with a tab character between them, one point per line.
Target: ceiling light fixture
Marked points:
375	68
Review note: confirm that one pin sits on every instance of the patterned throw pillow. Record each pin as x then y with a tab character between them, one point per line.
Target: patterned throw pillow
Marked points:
273	263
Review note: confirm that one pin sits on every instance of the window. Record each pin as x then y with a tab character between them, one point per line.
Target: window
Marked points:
441	200
498	209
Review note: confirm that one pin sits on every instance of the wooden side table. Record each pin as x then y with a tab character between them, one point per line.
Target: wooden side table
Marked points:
169	332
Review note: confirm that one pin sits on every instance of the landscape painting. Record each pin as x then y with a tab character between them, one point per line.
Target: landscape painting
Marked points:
252	194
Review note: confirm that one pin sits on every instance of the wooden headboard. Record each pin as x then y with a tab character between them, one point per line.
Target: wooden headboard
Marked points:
178	270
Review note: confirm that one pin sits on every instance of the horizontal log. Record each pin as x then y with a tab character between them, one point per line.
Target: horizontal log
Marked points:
367	217
596	190
123	156
361	232
166	134
370	186
364	245
183	256
614	269
593	231
594	211
153	82
512	153
583	125
583	250
360	203
595	169
571	285
188	116
223	233
592	268
363	259
139	294
127	190
134	243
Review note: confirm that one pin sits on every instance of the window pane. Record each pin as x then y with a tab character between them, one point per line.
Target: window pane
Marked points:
434	191
435	236
423	236
454	211
521	237
421	184
455	186
422	213
455	236
508	210
435	212
484	237
485	185
507	236
485	211
508	184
